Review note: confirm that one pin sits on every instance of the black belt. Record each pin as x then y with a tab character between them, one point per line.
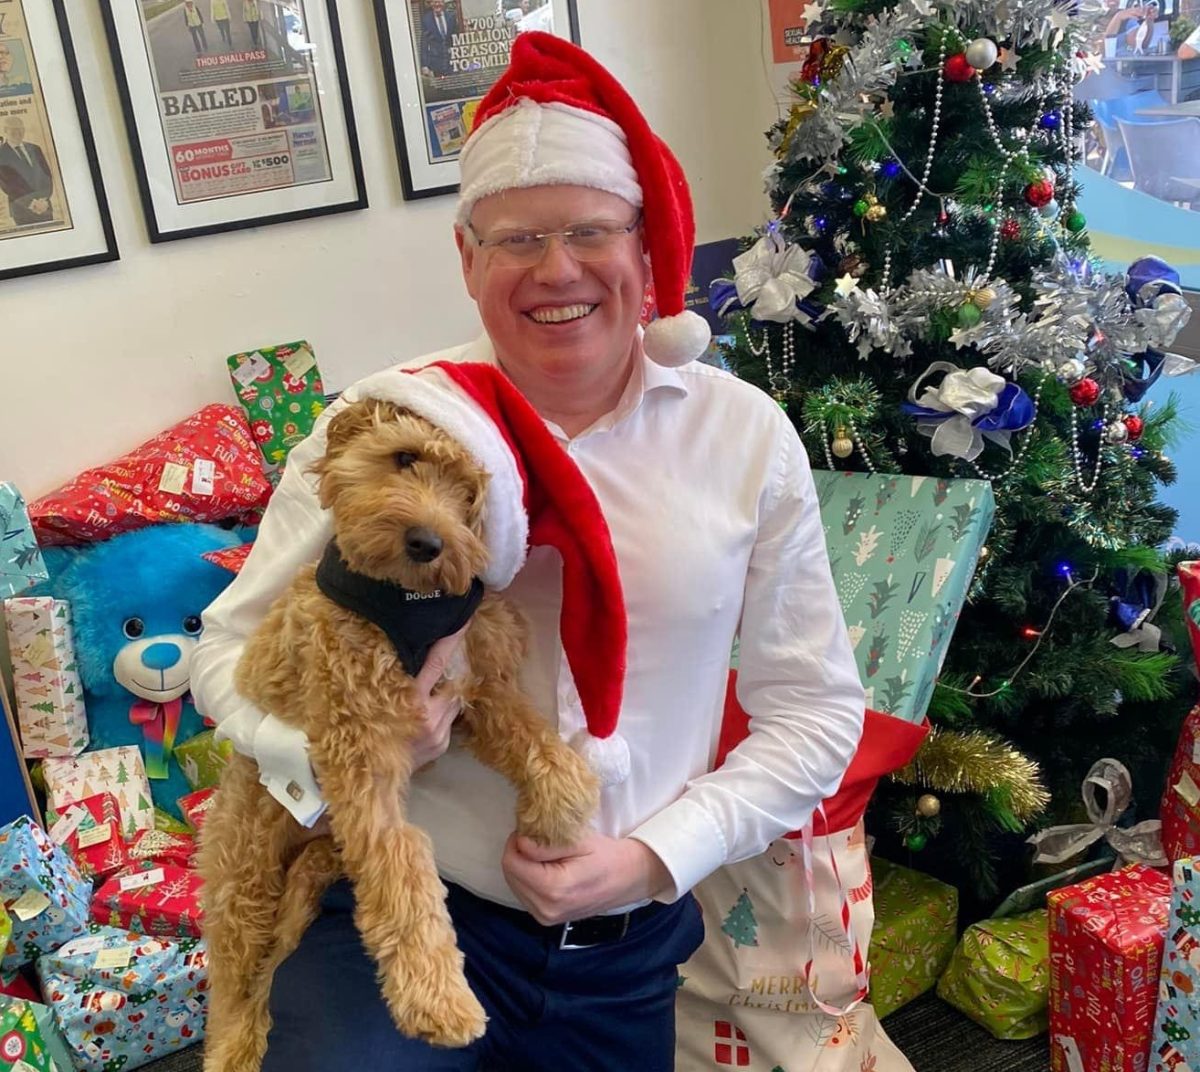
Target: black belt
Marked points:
578	933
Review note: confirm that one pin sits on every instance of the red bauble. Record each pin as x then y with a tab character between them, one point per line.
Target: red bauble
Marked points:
1039	194
1010	229
1134	425
1085	392
958	68
810	72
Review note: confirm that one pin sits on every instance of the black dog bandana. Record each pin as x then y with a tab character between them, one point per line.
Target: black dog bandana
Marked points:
413	621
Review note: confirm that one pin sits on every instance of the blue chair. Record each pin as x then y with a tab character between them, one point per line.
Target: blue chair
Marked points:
1160	153
1115	110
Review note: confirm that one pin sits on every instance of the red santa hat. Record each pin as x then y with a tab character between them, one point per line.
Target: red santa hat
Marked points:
536	496
556	117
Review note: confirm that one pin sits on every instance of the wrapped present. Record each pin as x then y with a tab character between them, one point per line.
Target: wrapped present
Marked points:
21	564
1106	942
23	1047
50	711
902	550
122	999
1180	808
42	891
6	927
168	824
202	759
151	897
1176	1044
280	388
206	468
118	771
230	558
16	985
91	831
999	975
1189	582
196	806
916	928
163	848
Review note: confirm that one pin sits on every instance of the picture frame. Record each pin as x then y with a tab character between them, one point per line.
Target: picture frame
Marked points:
53	209
238	112
437	72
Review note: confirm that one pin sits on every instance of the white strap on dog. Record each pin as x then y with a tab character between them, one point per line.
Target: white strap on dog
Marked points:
845	921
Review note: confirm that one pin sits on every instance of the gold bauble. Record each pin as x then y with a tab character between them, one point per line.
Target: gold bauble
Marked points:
834	60
928	806
982	298
843	445
876	213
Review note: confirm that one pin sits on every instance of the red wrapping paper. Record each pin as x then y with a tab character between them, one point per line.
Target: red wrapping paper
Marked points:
98	859
1106	943
163	848
230	558
1189	580
195	806
1180	808
206	468
168	904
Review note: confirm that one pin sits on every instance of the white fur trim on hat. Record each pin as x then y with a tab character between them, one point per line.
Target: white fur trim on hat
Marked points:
431	394
676	340
608	757
553	144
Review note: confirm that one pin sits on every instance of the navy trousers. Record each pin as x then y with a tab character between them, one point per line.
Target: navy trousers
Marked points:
606	1008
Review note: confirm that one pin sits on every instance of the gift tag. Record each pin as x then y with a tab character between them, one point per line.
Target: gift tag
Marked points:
174	478
29	905
91	944
98	835
1196	749
21	1066
39	651
67	825
144	878
204	470
249	370
113	959
1188	789
300	362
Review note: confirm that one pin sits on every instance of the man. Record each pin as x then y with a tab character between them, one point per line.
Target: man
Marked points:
437	27
25	177
220	15
568	203
11	84
194	21
1132	27
253	19
1190	48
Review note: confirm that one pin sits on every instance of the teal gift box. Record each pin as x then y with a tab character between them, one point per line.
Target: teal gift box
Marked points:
902	550
21	564
1176	1043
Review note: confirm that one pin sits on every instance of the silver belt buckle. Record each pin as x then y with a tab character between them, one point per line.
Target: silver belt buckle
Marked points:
563	942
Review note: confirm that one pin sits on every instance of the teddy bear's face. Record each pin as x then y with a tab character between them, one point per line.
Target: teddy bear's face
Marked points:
155	664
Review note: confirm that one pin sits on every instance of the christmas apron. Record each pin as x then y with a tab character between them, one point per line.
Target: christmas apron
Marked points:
778	984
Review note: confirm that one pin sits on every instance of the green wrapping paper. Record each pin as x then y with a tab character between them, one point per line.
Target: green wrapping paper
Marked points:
202	759
916	926
280	388
999	975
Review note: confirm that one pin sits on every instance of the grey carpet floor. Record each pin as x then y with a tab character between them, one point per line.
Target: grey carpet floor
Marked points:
932	1035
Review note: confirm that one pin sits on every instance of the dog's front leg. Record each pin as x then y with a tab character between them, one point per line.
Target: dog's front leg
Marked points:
364	763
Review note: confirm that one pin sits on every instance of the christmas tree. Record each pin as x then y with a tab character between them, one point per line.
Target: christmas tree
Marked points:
924	302
740	923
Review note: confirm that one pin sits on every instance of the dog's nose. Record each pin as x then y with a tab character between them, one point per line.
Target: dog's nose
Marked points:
422	544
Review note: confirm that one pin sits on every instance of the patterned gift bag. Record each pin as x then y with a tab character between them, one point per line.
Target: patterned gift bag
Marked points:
122	999
50	710
119	771
999	975
42	891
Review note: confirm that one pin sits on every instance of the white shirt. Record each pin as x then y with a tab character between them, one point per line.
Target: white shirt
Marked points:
708	494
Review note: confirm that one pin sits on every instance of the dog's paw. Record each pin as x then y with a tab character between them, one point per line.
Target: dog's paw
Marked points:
554	806
454	1019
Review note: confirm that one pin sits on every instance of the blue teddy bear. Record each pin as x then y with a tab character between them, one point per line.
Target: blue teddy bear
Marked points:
136	602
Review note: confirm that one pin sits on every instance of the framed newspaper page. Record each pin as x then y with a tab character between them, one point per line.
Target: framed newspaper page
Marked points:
238	112
53	213
440	57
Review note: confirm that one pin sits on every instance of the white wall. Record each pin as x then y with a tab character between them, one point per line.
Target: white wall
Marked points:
94	360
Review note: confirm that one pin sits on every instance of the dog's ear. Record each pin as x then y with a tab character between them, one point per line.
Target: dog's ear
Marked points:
353	421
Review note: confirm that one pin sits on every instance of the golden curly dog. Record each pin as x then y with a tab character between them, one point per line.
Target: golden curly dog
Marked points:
336	676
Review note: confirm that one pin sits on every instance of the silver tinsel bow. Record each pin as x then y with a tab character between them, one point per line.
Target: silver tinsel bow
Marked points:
1140	844
968	394
869	323
771	276
931	290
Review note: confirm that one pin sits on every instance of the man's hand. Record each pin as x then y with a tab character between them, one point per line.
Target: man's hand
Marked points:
595	875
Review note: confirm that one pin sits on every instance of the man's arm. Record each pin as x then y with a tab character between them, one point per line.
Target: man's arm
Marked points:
798	682
293	533
1190	48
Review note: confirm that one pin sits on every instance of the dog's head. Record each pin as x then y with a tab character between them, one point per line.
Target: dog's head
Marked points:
407	499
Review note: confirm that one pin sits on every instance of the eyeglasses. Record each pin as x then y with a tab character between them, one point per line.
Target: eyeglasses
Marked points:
593	241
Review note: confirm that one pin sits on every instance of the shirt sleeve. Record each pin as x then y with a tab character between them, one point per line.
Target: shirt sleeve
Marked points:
293	533
1193	40
798	682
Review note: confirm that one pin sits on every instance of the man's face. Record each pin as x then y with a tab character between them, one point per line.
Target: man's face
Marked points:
6	60
438	6
516	302
14	131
